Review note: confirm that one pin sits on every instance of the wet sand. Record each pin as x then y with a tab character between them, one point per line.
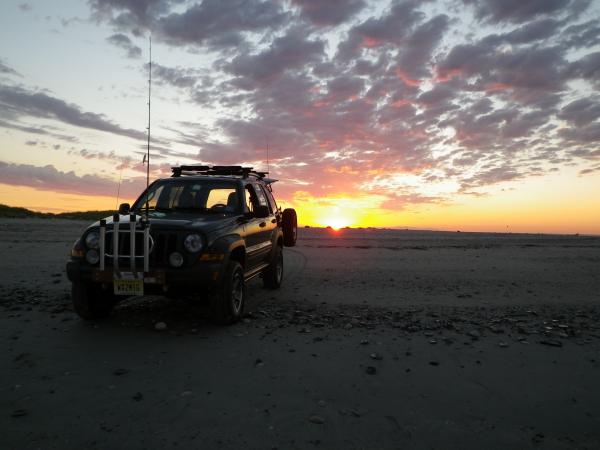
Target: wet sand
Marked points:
378	339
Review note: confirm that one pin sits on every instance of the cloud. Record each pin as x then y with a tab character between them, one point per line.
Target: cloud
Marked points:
25	103
132	11
212	23
581	112
518	11
438	94
415	53
532	32
6	70
590	134
36	130
590	170
526	73
179	77
290	51
122	41
492	176
402	101
390	28
48	178
584	35
331	12
587	68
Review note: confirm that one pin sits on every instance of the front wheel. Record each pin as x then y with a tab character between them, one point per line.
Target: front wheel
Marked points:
91	302
273	274
227	302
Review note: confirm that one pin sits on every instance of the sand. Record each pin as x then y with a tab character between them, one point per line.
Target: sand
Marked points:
378	339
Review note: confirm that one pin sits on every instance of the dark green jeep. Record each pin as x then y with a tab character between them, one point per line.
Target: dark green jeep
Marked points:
205	230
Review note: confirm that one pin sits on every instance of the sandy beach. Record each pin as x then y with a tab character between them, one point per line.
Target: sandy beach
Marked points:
377	339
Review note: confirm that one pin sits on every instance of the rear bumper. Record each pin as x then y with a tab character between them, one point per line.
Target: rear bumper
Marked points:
204	274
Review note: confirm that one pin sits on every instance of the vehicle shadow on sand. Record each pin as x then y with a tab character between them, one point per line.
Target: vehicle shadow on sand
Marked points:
177	315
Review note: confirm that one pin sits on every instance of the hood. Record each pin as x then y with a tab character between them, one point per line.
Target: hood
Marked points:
180	220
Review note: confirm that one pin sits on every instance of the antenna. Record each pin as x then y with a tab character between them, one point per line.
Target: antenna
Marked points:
149	96
267	156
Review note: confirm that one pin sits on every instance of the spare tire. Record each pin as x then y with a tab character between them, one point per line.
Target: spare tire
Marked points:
290	227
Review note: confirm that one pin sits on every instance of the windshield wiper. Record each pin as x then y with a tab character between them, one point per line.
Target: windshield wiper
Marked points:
190	208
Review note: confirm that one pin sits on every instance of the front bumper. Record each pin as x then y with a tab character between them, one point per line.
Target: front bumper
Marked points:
203	274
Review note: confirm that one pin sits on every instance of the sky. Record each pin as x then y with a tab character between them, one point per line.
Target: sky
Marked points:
471	115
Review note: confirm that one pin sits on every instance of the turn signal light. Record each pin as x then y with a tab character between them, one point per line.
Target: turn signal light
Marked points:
212	257
77	251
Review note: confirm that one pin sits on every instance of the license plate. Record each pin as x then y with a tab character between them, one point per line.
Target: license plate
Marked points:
133	286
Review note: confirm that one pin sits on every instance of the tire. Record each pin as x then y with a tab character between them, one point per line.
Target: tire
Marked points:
227	302
290	227
273	274
90	302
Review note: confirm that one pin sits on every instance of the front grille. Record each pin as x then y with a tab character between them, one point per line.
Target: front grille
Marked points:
162	244
124	244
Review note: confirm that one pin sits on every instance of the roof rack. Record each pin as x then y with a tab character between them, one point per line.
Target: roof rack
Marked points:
237	171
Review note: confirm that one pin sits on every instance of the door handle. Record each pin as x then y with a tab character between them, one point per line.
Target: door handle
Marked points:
262	224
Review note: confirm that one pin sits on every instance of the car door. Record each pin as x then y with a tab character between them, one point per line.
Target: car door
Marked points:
258	242
256	247
270	227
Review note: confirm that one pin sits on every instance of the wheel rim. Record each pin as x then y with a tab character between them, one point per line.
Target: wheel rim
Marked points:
237	292
279	267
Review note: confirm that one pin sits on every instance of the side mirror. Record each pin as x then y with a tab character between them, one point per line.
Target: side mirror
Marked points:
261	211
124	208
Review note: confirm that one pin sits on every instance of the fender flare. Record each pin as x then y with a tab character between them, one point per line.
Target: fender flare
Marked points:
227	244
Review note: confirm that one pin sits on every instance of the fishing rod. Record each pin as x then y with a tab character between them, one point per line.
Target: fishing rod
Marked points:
119	187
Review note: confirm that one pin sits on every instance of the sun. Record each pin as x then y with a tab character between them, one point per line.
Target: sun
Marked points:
337	222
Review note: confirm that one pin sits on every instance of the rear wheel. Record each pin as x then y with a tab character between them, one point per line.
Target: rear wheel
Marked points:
91	302
290	227
273	274
227	302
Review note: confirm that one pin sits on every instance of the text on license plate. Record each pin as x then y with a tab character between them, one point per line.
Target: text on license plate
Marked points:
133	286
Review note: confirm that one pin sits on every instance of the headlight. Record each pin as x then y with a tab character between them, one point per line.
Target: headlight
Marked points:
193	243
175	259
92	256
92	239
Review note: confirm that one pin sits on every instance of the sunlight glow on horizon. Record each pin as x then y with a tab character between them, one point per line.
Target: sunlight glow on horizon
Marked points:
336	222
548	204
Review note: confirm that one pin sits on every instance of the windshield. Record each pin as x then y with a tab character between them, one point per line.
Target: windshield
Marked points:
191	195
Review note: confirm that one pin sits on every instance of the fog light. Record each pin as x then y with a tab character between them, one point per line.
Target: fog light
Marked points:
175	259
92	256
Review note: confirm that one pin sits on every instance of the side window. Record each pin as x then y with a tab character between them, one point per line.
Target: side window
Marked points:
262	198
270	198
251	199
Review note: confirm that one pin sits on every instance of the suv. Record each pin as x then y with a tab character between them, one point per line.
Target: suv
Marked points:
205	230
